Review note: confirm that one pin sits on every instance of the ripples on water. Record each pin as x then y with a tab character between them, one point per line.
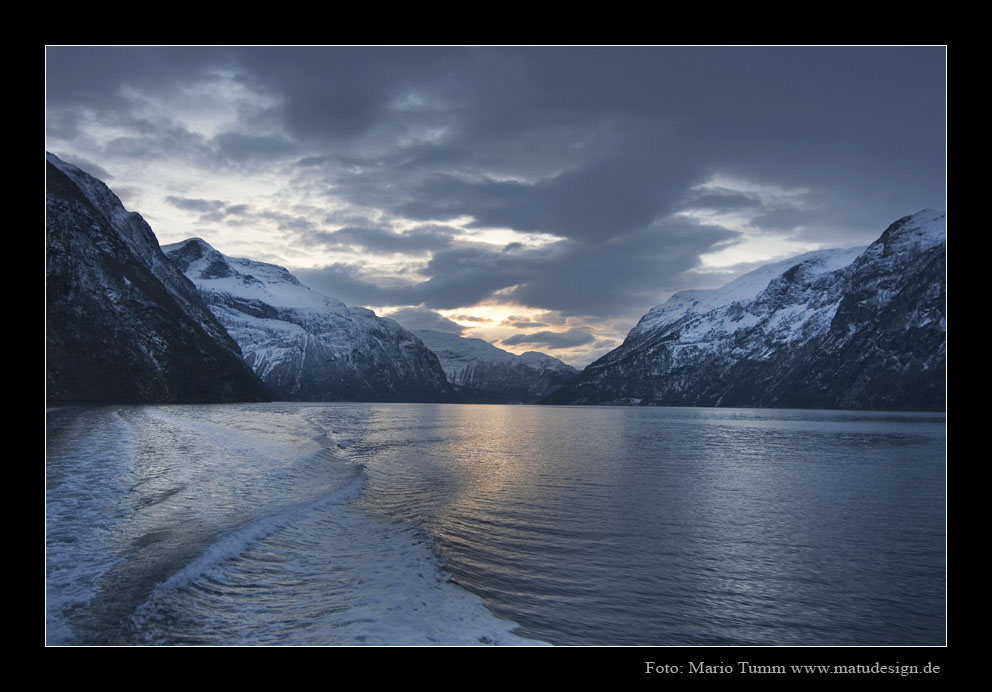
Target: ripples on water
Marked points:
324	523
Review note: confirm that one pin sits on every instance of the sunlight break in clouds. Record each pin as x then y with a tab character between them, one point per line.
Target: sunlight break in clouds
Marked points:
745	206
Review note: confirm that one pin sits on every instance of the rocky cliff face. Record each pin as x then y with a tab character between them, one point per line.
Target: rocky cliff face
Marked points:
485	374
306	346
845	329
122	323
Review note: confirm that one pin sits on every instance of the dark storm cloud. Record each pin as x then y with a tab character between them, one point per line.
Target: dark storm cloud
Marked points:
288	222
574	277
340	92
422	239
615	137
567	339
595	145
413	318
351	285
623	130
109	85
602	200
585	279
203	206
160	143
89	81
239	147
93	75
722	199
473	318
347	283
218	211
466	276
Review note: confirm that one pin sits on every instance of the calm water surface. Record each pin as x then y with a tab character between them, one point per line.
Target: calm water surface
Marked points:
449	524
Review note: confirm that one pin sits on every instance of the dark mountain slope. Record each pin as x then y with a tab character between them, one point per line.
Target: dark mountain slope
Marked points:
122	323
831	329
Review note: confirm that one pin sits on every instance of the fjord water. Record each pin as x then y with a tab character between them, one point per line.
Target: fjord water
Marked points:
342	524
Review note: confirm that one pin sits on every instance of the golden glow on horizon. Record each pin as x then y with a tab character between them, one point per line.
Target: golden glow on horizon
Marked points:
495	315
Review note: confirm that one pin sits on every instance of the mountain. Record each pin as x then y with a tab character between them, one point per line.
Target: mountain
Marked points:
843	329
306	346
122	323
485	374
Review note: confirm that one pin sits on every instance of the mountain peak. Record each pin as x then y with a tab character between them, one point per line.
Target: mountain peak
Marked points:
195	256
928	213
925	228
189	250
830	329
195	243
923	219
55	160
123	324
743	289
305	345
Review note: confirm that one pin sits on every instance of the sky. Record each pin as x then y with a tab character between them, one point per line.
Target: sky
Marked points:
540	198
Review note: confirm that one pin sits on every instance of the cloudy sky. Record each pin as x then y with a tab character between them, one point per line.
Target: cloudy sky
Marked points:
538	198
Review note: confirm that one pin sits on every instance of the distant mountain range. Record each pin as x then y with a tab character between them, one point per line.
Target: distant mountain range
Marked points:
482	373
844	329
863	328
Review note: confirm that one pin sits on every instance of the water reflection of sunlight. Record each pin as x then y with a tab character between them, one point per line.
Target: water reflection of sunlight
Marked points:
716	522
487	454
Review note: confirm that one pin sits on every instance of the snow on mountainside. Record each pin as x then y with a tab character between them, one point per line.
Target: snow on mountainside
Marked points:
483	373
742	289
858	328
305	345
131	229
122	323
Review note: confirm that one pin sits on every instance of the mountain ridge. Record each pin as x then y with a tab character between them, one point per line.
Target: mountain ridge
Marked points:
825	332
122	323
128	320
305	345
484	373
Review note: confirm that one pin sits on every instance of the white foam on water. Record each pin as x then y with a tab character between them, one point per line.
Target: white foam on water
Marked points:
318	574
286	559
88	463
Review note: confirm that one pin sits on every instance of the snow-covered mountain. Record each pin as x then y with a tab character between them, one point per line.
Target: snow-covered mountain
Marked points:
862	328
483	373
122	323
307	346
